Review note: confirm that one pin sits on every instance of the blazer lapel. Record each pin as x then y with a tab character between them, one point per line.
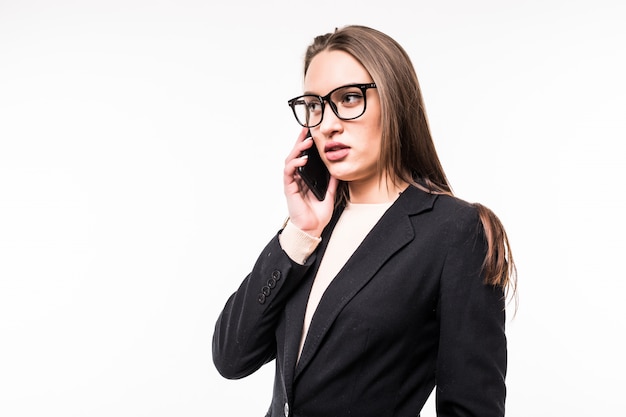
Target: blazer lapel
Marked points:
393	231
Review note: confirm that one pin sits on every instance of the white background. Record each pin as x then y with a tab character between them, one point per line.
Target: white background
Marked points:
141	151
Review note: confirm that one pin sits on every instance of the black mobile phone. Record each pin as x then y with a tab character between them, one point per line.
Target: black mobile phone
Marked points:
314	173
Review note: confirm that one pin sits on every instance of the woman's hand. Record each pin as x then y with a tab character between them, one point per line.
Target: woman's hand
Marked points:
305	211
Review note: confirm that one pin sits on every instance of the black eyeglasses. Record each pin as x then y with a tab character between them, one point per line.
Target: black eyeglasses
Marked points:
348	102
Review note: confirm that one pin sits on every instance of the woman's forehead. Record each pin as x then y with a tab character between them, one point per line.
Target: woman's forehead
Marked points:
331	69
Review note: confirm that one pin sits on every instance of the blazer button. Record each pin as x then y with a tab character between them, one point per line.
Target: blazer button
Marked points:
271	282
286	410
261	298
265	290
276	275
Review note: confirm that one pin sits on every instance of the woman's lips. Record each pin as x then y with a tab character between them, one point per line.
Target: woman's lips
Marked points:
335	151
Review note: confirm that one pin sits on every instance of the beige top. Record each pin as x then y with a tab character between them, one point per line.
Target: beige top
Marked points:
355	223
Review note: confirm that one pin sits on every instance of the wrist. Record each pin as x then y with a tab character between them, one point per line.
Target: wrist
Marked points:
298	244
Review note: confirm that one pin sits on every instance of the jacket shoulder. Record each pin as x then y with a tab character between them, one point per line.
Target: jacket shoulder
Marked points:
418	200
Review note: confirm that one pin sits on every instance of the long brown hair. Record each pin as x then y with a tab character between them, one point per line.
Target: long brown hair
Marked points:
407	149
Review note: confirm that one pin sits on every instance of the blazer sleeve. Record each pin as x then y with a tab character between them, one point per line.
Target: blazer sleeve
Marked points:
472	357
244	334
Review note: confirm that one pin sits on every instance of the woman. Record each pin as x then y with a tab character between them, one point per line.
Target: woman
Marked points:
390	285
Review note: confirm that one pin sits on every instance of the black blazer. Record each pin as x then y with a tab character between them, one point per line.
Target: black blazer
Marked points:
408	311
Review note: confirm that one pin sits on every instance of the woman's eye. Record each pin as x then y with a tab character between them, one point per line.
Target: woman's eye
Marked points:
352	98
313	106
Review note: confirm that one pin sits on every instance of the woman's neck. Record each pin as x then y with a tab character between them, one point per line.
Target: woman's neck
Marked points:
375	192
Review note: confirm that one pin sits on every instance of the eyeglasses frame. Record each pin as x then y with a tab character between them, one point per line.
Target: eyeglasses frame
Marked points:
333	107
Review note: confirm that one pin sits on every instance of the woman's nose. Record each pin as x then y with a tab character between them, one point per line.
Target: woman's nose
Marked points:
330	122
